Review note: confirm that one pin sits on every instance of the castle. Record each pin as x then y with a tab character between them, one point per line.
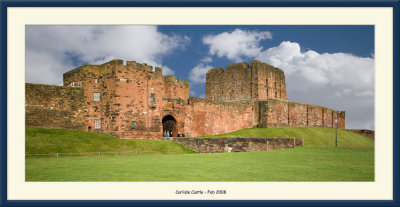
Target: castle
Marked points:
134	101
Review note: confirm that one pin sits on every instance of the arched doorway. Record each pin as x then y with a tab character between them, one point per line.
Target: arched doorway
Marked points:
169	124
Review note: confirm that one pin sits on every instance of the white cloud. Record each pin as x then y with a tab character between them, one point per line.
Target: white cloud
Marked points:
337	80
206	60
54	50
236	44
335	69
198	73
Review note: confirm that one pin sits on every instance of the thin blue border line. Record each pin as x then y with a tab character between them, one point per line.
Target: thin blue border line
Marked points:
200	3
3	103
3	97
396	102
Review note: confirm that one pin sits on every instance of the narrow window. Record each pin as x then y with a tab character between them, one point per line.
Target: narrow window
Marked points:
153	97
95	80
276	91
97	124
96	97
134	125
266	84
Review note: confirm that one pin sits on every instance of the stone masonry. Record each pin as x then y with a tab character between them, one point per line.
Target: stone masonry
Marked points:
134	100
236	144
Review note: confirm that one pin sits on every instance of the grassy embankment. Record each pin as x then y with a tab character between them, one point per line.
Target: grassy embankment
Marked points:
48	141
299	164
313	136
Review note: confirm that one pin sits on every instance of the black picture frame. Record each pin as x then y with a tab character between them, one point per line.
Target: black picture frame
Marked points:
196	3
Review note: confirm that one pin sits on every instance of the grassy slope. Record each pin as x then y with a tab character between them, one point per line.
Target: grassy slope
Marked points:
297	164
45	141
313	136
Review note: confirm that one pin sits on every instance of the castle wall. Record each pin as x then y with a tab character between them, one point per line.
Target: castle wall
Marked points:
314	116
132	101
204	117
268	81
175	88
96	79
48	106
297	114
327	118
240	81
232	84
236	144
342	120
281	113
130	93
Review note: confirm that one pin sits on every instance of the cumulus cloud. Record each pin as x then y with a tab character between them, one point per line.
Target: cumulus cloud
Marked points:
53	50
206	60
237	44
337	80
198	73
345	71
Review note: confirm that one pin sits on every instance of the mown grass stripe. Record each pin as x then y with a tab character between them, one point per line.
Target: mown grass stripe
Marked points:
296	164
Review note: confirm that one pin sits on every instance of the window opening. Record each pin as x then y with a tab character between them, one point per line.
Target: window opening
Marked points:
97	124
96	97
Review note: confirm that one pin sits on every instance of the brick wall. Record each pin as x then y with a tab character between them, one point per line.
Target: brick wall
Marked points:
236	144
240	97
232	84
268	81
50	106
96	79
277	113
281	113
297	114
314	116
342	120
176	88
205	117
240	81
130	93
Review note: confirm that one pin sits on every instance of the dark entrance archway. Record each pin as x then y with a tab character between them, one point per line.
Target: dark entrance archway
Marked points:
169	124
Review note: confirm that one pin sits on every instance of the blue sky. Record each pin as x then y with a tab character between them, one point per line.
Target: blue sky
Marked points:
331	66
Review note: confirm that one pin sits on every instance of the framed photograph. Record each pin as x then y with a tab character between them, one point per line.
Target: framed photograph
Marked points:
199	103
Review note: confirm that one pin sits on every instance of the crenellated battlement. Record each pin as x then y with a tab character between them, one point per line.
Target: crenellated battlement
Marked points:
175	80
237	66
228	69
239	81
265	66
243	66
113	62
215	71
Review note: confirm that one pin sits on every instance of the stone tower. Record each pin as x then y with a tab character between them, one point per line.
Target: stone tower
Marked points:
259	81
131	100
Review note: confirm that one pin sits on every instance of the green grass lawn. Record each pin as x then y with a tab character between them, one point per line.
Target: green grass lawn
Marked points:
313	136
296	164
322	162
47	141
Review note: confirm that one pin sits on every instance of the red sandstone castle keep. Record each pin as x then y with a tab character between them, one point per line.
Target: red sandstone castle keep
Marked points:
135	101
